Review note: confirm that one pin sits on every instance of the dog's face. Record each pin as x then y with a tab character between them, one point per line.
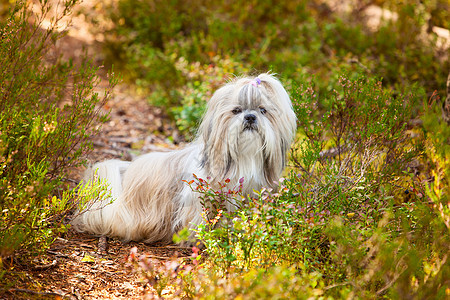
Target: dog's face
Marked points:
247	129
250	113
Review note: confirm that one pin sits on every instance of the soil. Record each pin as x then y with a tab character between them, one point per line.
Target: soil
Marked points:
80	266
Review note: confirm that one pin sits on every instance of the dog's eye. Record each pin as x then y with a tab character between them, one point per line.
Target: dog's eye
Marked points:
236	110
262	110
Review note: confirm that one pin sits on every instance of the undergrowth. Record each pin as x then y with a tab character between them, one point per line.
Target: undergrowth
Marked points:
147	40
48	110
351	218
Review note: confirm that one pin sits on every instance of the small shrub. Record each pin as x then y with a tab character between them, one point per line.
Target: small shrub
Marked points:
48	111
358	147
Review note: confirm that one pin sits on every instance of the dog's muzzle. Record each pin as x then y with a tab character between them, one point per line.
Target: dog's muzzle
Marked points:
250	122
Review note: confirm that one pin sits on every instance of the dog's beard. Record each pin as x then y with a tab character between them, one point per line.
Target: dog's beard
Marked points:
248	136
250	160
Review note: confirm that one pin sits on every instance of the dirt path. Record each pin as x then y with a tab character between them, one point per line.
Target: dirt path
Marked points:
75	268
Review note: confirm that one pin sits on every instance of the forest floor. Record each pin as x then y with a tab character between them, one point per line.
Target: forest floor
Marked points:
77	266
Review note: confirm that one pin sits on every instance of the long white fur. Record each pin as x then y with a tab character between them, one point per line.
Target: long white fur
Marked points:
150	200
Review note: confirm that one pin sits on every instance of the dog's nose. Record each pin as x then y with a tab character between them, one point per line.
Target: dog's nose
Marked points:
250	118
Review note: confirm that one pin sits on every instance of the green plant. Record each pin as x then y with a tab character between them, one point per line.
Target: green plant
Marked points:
350	213
48	110
291	38
355	143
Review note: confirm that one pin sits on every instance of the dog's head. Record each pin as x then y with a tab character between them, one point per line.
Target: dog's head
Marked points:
247	129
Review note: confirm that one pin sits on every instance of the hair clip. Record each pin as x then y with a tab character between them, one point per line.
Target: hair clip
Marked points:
255	82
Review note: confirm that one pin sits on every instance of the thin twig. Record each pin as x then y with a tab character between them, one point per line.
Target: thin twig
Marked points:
102	245
46	266
157	257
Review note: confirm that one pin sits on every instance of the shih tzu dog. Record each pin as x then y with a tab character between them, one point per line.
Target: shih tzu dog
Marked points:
246	132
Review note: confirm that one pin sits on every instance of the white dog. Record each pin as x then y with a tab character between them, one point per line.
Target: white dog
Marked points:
247	129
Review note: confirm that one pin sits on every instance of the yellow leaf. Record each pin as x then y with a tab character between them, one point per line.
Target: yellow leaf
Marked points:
88	258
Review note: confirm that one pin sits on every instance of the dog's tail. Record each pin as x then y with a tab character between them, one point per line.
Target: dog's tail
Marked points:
99	216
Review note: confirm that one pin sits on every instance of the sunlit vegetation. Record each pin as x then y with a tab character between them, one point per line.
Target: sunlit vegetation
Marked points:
363	209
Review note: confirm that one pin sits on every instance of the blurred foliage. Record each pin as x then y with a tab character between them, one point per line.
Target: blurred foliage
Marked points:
48	110
292	38
5	5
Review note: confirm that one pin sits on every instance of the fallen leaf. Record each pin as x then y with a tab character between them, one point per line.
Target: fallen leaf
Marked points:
88	258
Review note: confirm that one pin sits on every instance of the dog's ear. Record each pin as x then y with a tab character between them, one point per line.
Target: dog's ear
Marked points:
214	133
214	107
275	157
281	99
280	139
